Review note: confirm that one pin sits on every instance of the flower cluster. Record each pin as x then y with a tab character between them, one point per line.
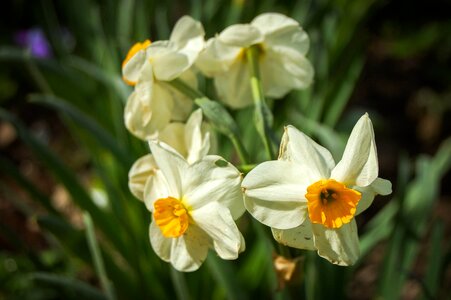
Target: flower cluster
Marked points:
196	197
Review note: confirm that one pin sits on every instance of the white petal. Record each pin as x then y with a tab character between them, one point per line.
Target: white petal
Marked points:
379	186
212	179
171	58
160	244
359	165
171	65
186	30
139	173
156	187
171	164
233	86
315	160
132	69
216	220
145	117
268	23
148	110
281	31
282	70
275	194
240	35
339	246
174	136
189	251
217	57
183	105
197	141
300	237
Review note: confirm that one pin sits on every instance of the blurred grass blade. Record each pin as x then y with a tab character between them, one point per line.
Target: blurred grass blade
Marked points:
179	283
81	289
225	275
11	170
125	10
67	178
343	92
111	81
327	137
75	243
91	126
435	263
419	200
97	257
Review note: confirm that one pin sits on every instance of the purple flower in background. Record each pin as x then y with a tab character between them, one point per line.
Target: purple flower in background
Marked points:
35	40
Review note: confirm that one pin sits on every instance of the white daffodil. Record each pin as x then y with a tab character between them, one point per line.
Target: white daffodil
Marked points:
192	140
308	201
282	45
149	66
193	208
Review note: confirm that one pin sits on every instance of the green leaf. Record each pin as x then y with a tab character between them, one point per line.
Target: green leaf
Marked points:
67	178
92	127
77	287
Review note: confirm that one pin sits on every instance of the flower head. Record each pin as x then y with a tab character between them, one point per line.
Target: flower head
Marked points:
193	208
310	202
282	44
149	66
192	140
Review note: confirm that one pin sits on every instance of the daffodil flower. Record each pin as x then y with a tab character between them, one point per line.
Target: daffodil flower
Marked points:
311	203
192	140
193	208
282	44
149	66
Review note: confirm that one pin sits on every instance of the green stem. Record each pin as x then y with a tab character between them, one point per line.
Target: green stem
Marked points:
229	127
179	282
263	117
97	257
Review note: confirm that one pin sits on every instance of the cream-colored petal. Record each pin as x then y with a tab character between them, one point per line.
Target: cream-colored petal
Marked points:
275	194
284	69
359	165
174	135
379	186
172	165
233	86
183	105
189	251
171	58
139	173
171	65
160	244
217	57
300	237
212	179
339	246
156	187
131	70
188	31
197	141
149	108
240	35
281	31
216	220
145	118
268	23
315	160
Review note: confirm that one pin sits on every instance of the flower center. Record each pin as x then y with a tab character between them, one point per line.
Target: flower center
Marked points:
133	50
331	203
171	216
